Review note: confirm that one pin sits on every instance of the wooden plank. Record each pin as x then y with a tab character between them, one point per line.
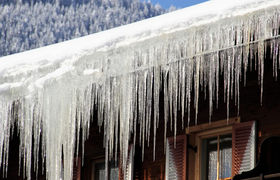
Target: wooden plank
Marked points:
215	124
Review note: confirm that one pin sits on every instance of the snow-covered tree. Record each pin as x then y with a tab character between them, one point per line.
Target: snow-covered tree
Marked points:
28	24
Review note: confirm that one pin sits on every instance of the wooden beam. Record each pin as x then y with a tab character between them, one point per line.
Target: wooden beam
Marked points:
215	124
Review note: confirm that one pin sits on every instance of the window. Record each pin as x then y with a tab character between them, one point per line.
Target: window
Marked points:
99	170
216	157
224	151
217	150
115	172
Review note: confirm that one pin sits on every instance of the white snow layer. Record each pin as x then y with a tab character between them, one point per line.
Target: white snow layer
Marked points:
50	93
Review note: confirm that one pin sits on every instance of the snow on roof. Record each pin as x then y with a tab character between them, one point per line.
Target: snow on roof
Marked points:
183	19
53	89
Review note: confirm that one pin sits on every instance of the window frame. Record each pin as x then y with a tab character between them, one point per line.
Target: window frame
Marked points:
239	130
208	129
206	134
97	160
130	165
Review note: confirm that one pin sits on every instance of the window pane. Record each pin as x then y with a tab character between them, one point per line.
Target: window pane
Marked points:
114	170
99	173
225	156
99	170
209	158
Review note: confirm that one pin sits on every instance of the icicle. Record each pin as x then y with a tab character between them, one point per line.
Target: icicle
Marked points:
170	89
106	160
182	84
277	52
2	129
229	68
196	86
116	113
166	104
174	76
36	136
189	85
217	70
238	78
211	79
232	62
156	90
261	65
149	98
273	56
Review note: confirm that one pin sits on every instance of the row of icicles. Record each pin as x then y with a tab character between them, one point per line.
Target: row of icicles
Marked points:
127	90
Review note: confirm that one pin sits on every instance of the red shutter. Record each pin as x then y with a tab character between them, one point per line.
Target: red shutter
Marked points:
243	147
127	174
77	168
176	158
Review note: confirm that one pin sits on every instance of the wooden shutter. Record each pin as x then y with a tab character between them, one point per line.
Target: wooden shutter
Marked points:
176	158
243	147
77	168
127	174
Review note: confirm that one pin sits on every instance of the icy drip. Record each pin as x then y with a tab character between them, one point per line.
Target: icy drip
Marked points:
6	122
55	105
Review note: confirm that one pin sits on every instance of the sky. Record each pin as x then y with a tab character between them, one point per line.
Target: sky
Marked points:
177	3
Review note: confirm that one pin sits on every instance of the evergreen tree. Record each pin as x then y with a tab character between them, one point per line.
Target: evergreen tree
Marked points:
28	24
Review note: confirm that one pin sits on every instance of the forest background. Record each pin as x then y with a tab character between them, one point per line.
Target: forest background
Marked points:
29	24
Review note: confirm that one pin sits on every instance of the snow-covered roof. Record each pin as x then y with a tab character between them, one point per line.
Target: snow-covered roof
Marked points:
157	27
123	68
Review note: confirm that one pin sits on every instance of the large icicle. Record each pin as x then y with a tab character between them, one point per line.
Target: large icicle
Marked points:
50	94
